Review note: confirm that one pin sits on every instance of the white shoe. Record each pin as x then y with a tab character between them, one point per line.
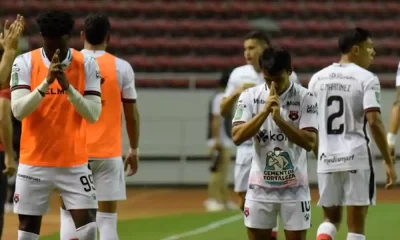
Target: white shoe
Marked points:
9	207
213	206
231	205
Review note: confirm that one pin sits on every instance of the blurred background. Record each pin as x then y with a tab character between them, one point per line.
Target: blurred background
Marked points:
178	50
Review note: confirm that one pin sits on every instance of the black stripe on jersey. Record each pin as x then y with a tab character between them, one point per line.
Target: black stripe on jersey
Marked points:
310	129
371	166
128	100
96	93
372	109
20	87
237	123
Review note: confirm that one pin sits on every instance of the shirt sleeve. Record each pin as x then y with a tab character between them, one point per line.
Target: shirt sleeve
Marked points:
398	76
126	78
243	109
216	104
21	73
309	113
92	77
232	84
372	95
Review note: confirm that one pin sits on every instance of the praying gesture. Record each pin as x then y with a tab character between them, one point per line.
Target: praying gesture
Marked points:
272	104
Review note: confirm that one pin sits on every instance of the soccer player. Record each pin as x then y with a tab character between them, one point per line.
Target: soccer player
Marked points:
281	118
240	79
46	94
349	99
104	137
395	118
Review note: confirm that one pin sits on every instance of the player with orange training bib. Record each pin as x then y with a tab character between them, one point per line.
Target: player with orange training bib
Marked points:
47	95
104	137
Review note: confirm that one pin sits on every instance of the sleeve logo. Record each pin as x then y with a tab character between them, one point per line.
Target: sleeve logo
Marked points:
14	79
312	108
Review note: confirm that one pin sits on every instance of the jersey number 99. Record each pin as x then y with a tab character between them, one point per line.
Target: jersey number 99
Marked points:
87	182
333	116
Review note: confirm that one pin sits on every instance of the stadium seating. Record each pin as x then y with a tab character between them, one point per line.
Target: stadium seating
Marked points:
198	36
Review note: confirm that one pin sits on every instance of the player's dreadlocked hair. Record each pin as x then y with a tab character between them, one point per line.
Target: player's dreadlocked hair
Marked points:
274	60
96	28
55	24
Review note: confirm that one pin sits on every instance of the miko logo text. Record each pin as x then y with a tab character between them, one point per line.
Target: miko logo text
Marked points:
265	135
335	159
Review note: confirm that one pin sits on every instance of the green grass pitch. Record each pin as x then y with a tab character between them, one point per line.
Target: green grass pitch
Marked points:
383	223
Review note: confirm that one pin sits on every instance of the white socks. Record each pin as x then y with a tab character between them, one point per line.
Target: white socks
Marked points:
355	236
27	236
87	232
67	226
107	224
326	231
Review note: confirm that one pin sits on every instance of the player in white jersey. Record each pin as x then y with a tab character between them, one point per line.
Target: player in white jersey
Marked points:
349	98
241	78
395	118
281	119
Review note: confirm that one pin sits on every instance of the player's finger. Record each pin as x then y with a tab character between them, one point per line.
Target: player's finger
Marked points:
6	25
55	56
272	90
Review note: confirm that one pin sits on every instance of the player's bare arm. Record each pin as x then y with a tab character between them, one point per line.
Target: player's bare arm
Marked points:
394	124
215	126
132	120
228	102
9	43
6	136
378	133
88	106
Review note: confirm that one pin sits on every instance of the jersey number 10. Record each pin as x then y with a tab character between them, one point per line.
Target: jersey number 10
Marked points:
337	114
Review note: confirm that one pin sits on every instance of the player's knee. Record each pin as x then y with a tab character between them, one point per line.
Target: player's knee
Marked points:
83	217
30	224
258	234
333	215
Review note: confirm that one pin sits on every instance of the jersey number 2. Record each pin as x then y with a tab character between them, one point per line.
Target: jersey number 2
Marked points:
337	114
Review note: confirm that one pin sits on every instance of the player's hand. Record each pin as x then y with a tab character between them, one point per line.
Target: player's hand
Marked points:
245	86
391	176
131	162
62	80
216	146
11	34
55	68
272	104
392	153
10	164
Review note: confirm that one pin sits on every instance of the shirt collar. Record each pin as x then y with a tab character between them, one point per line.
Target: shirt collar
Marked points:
65	62
342	64
93	53
285	93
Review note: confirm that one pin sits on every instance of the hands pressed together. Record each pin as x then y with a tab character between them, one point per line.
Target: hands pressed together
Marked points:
272	105
56	71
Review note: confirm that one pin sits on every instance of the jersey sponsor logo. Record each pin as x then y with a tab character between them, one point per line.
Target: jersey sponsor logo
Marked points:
312	108
336	76
265	135
335	87
334	159
239	111
259	101
292	103
293	115
279	169
55	91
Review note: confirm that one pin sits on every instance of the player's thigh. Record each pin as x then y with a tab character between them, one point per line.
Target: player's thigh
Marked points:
330	189
260	215
109	179
76	187
359	188
296	216
241	178
33	186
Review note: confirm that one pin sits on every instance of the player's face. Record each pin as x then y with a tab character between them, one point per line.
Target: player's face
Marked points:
365	53
252	51
280	79
52	44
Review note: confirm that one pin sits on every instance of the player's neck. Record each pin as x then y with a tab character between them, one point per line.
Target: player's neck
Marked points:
346	59
284	88
257	68
99	47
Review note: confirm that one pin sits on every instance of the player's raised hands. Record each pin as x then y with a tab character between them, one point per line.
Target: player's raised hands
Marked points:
272	104
11	34
391	176
55	68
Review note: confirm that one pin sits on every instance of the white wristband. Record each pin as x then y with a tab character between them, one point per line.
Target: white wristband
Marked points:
134	151
391	139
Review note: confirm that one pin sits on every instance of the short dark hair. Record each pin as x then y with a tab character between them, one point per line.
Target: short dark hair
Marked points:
352	37
96	28
260	36
274	60
55	24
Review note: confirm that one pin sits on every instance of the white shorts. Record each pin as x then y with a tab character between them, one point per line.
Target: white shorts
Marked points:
296	216
244	156
347	188
34	185
109	179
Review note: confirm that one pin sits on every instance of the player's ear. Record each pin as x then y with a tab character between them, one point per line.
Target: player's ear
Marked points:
108	37
355	49
82	36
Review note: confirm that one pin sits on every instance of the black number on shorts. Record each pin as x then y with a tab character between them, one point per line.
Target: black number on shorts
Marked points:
337	114
305	206
88	183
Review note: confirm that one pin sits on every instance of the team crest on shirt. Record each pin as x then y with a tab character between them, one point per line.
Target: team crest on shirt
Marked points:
279	169
293	115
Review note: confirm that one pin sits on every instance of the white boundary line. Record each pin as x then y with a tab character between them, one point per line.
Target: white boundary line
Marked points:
206	228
